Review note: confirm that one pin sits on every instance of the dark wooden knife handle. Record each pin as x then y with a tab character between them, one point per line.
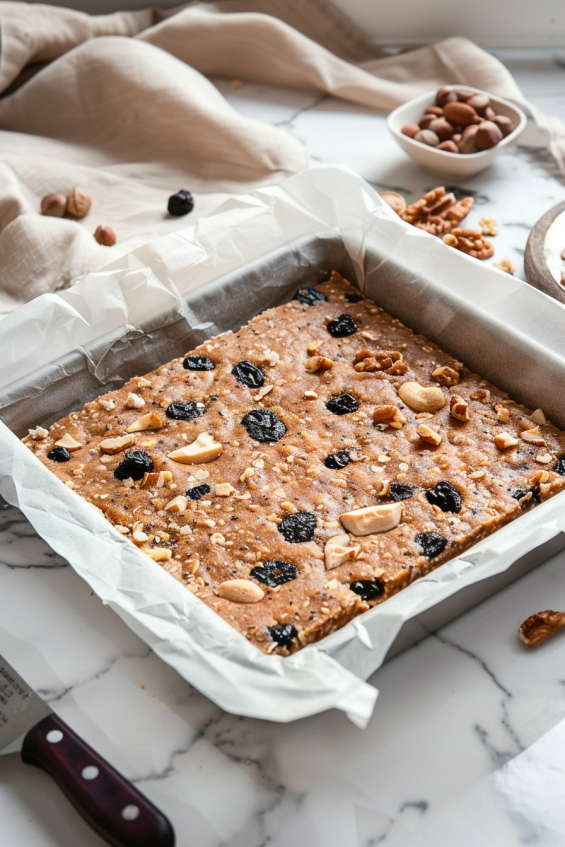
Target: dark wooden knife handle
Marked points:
104	798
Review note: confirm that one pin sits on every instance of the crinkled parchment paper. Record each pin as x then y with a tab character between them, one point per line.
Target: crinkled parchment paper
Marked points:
498	325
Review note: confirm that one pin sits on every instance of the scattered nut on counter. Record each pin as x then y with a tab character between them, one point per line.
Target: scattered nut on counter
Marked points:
54	205
105	236
79	202
396	201
461	122
505	265
539	627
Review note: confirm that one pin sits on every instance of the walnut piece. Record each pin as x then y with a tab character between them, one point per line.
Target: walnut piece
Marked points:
538	627
489	226
446	376
437	212
505	265
469	241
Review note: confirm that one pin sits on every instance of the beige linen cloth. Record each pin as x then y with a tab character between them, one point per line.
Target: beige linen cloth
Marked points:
121	104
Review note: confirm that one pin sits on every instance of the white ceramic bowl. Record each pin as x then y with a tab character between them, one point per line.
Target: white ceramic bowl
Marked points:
453	164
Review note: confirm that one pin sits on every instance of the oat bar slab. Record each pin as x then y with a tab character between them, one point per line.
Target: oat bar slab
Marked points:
300	471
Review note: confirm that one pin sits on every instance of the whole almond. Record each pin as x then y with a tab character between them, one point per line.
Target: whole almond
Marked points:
442	128
54	205
504	124
459	113
79	202
479	102
488	134
489	113
410	130
426	120
449	146
434	110
105	236
426	136
240	591
463	94
445	95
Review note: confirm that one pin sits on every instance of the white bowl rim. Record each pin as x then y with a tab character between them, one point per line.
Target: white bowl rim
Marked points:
430	95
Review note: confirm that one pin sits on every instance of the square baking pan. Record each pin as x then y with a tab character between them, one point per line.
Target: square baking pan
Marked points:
232	299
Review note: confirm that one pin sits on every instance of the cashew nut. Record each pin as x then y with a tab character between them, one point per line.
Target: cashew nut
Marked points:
421	398
372	519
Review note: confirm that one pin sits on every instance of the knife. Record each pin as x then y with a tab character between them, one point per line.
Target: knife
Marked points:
104	798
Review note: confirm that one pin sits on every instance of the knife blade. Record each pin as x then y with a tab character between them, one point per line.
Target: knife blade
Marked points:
110	804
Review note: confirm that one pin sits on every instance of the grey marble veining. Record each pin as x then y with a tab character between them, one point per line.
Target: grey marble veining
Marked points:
467	742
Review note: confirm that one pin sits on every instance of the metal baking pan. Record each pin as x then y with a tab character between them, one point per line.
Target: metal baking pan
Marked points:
231	300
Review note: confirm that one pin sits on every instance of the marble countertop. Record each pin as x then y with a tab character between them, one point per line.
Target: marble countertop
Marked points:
467	742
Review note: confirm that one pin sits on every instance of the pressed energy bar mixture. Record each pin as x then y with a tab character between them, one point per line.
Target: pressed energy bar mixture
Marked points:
299	471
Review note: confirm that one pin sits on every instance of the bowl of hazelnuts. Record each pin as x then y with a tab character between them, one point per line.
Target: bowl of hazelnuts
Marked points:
456	130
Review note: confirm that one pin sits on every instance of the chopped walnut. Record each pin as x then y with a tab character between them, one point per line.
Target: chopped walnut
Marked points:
459	408
38	434
504	440
437	212
504	265
446	376
469	241
384	413
502	413
489	226
429	435
318	363
539	627
389	361
482	395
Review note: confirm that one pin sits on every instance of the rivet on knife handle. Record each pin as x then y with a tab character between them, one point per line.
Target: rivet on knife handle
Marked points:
104	798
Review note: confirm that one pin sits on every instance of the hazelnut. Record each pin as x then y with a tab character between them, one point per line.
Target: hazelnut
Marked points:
79	202
396	201
426	120
487	136
426	136
448	146
445	95
54	205
504	124
442	128
467	143
410	130
105	236
479	102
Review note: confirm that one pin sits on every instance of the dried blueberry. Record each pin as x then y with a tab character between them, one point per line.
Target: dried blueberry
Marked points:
134	466
275	573
282	633
343	404
197	492
431	543
249	374
185	411
336	461
445	496
368	589
560	466
344	325
519	493
400	491
180	203
263	426
353	298
59	454
198	363
309	296
298	527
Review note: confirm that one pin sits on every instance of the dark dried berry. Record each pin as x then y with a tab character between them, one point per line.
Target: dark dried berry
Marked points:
336	461
298	527
185	411
59	454
249	374
343	404
368	589
353	298
275	573
445	496
519	493
400	491
263	426
309	296
431	543
198	363
559	466
344	325
134	466
180	203
282	633
197	492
